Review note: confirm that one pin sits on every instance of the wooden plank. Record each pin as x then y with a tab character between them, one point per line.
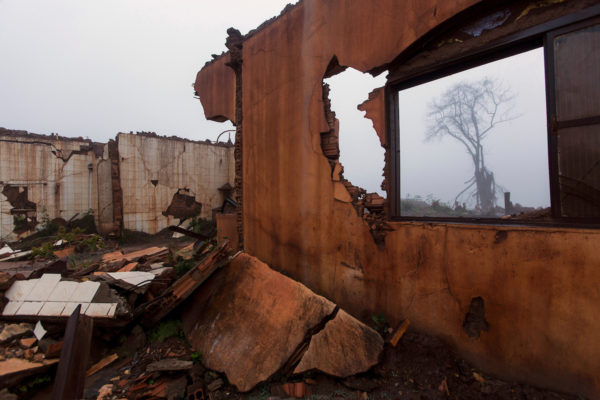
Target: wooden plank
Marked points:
186	285
74	356
101	364
399	333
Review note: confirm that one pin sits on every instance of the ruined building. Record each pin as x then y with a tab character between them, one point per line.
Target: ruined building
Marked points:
517	297
140	182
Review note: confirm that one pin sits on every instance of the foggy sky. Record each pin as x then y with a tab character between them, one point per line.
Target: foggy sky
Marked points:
93	68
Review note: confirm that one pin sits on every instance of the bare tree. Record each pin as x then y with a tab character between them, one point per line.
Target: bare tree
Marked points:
468	112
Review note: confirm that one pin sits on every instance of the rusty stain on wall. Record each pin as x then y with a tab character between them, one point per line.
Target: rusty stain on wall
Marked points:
531	295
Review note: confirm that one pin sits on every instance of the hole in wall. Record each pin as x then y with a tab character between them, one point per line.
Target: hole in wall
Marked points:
475	321
360	151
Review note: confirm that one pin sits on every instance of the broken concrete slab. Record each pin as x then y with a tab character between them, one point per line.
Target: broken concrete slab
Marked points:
345	347
248	320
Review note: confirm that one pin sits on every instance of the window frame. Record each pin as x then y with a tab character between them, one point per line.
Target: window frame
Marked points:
541	35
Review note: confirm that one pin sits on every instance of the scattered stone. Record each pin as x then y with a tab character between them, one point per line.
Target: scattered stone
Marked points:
27	342
169	364
105	392
50	347
13	331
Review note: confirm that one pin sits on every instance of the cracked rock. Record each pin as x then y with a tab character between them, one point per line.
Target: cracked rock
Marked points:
345	347
248	320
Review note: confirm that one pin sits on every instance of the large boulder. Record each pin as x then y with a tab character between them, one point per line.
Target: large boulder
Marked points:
247	320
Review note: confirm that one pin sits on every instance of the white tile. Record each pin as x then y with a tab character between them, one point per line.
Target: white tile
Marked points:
112	311
70	307
136	278
98	309
85	292
11	307
20	289
63	291
45	285
52	308
39	331
30	308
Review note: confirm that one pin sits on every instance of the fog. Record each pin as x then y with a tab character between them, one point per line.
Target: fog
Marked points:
516	151
96	68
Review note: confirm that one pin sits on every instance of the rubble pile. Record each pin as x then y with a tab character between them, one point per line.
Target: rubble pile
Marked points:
79	299
85	317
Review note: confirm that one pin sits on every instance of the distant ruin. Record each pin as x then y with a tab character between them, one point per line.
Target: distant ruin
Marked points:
133	182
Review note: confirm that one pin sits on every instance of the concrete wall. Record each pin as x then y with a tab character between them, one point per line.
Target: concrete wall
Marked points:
539	286
55	175
60	177
154	169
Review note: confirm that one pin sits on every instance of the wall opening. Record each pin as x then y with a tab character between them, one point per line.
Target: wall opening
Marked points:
360	151
474	144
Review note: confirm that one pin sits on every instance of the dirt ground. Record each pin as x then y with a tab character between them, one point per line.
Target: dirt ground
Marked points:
419	368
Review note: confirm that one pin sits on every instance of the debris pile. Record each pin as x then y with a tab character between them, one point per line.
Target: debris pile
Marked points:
184	318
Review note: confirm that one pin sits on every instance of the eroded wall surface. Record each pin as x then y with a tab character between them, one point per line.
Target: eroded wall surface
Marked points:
139	182
165	180
44	176
521	303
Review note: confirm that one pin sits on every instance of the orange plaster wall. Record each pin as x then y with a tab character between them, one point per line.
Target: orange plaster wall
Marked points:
541	287
215	84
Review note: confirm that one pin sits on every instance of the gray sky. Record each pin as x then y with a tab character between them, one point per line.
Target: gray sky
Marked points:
516	151
93	68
